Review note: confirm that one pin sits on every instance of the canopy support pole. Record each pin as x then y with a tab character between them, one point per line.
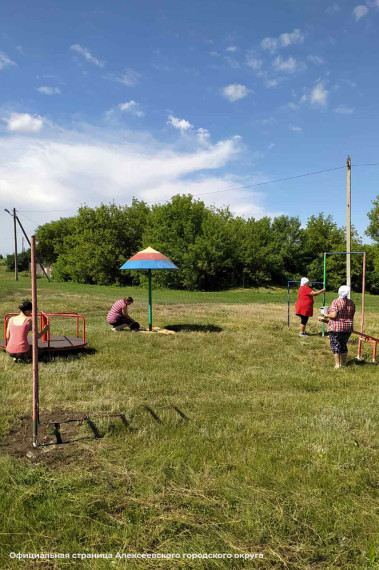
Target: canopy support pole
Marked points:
150	302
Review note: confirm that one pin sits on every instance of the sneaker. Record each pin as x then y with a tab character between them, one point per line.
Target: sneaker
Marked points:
115	330
303	335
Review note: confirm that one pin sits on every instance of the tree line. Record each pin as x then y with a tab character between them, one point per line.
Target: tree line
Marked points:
213	249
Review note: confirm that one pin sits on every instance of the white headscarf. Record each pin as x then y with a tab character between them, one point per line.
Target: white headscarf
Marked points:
343	291
304	281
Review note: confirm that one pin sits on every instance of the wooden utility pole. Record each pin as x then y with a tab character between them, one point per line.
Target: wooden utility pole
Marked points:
348	222
15	244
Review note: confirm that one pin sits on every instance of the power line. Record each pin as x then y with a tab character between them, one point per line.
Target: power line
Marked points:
39	211
271	181
30	220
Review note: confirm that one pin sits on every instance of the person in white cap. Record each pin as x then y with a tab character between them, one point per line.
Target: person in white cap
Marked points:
304	304
340	319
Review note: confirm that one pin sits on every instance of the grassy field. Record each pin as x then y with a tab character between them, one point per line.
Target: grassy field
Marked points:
231	436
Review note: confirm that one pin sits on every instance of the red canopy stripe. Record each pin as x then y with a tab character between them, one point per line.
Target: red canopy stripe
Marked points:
148	256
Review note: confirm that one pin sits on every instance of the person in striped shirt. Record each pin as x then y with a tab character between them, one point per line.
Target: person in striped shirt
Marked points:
118	316
340	319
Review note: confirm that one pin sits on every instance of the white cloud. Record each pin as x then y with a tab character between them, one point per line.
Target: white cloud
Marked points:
271	83
214	53
49	90
254	62
5	60
293	106
288	39
67	171
64	170
268	121
203	136
23	123
235	92
359	12
284	40
129	77
87	55
289	65
269	44
343	110
232	49
233	63
180	124
316	59
295	129
349	82
333	9
319	95
132	107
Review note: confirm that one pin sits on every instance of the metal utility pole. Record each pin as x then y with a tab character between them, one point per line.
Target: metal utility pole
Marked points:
348	221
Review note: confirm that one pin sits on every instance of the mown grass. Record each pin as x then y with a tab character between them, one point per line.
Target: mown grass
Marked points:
244	440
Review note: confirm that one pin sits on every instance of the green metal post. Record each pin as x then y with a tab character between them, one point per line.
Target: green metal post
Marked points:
150	302
323	296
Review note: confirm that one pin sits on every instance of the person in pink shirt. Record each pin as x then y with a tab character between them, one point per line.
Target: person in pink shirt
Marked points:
18	328
118	316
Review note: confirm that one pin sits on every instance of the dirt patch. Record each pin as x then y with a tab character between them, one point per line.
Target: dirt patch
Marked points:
157	330
60	434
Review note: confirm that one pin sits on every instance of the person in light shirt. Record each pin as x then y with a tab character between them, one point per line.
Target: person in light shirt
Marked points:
18	328
340	318
118	316
304	304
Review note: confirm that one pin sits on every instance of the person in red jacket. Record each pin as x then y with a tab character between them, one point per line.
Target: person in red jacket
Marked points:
304	304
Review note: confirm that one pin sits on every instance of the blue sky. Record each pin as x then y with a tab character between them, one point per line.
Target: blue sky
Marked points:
105	101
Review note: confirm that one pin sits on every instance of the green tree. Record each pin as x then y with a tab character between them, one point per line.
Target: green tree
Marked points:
50	239
373	216
93	245
23	261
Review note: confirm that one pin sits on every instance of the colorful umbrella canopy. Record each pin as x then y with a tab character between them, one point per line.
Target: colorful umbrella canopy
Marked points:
149	259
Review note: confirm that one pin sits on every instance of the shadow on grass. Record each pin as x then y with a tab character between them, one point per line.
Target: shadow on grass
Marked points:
97	434
74	354
68	434
194	328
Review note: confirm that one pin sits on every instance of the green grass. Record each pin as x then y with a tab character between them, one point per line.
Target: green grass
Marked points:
275	451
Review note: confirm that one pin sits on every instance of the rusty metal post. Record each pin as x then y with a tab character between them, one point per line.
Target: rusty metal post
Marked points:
348	222
15	245
35	343
363	305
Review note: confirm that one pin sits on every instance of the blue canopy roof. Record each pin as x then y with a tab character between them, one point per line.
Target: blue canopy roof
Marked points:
149	264
149	258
